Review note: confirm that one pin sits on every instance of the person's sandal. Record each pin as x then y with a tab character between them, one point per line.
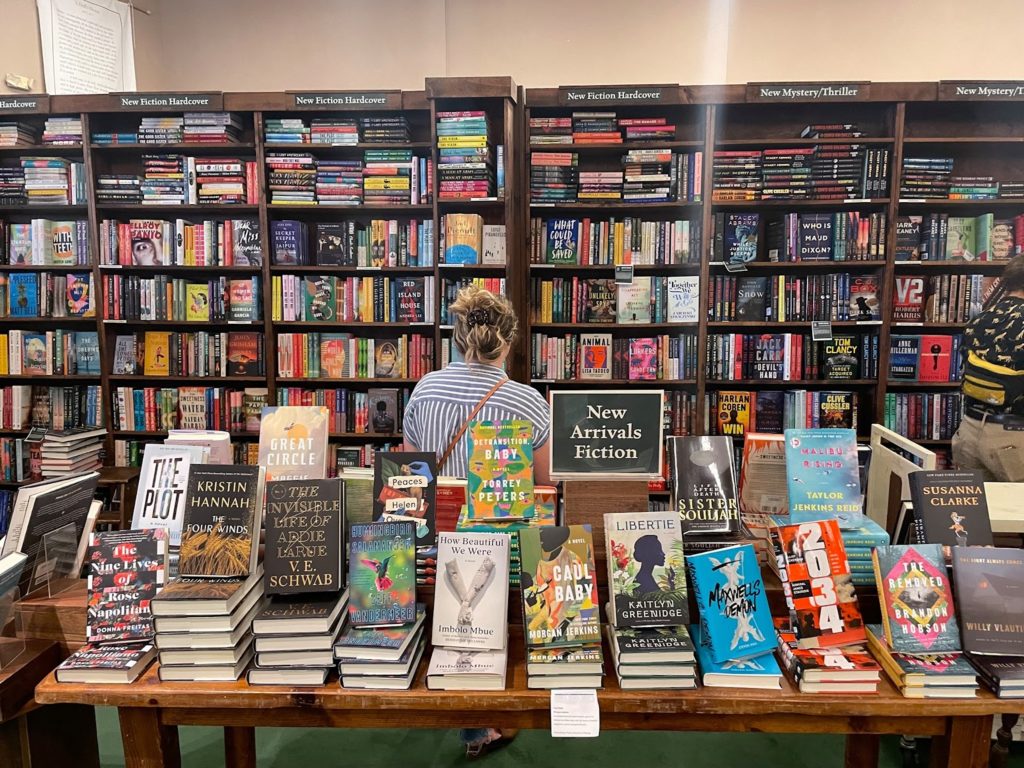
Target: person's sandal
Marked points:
480	749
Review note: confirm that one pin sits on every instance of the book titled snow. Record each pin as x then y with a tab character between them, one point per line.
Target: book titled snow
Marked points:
471	596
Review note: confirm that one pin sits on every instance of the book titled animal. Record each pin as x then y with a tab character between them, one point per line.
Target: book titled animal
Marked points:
304	524
405	488
471	596
293	442
382	574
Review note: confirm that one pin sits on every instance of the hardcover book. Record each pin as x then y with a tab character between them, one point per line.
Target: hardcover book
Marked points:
463	238
842	357
293	442
683	299
562	241
733	413
600	301
908	302
865	303
471	597
916	601
558	580
382	644
740	237
643	359
823	475
704	484
304	524
633	301
467	670
248	251
500	470
1004	675
652	645
951	507
405	488
735	622
646	569
223	514
382	574
126	570
751	297
163	482
763	475
761	672
908	238
990	594
922	670
595	356
106	663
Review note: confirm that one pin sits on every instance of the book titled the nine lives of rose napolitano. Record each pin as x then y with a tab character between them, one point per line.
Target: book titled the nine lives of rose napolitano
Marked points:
293	442
405	488
304	524
382	574
822	475
471	596
646	569
950	508
990	593
704	484
126	570
106	664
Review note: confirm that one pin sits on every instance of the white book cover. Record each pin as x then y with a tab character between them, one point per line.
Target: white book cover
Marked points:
446	661
471	596
494	244
633	301
216	443
683	299
160	501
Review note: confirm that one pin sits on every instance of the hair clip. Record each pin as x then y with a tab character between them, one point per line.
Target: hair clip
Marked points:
478	317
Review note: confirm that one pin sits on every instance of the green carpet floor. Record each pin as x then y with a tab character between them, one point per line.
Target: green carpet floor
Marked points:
415	748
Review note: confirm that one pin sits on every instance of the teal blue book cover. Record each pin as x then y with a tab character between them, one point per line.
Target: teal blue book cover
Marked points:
822	476
757	666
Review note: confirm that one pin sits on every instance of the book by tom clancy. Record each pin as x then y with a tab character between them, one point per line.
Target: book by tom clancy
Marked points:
500	470
382	574
646	569
293	442
559	586
917	605
471	596
951	507
163	481
405	488
990	593
822	475
735	622
304	524
223	513
704	484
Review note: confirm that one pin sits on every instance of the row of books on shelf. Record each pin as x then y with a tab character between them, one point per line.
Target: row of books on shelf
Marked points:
933	177
941	298
57	131
645	299
330	299
598	356
42	181
737	412
381	243
14	462
187	128
629	240
924	415
343	356
466	239
155	409
66	407
791	357
926	358
469	164
179	353
791	237
171	179
181	243
941	237
377	410
337	131
643	176
838	296
133	297
599	127
382	177
43	242
57	352
47	294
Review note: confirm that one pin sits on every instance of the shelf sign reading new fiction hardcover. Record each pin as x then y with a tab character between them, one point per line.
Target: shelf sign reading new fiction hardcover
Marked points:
612	433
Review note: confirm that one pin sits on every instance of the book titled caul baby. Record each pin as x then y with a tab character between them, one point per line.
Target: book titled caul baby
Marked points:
500	470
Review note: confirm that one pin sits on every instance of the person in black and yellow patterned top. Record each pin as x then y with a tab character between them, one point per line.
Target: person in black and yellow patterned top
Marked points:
991	434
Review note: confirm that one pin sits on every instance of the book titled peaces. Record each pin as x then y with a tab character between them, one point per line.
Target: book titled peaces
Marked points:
951	507
304	523
382	574
990	593
223	514
471	596
293	442
646	569
704	484
734	619
823	477
163	481
559	586
405	488
500	470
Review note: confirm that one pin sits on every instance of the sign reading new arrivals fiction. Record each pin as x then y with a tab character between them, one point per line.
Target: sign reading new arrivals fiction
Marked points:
610	433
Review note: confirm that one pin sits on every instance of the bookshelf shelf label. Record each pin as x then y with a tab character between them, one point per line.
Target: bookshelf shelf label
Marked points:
641	94
182	101
348	100
808	91
980	90
36	104
821	330
623	274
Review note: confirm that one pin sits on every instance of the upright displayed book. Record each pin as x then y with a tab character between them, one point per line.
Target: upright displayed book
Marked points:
293	442
163	482
763	487
989	585
405	488
704	484
823	479
382	574
471	597
305	520
950	508
500	470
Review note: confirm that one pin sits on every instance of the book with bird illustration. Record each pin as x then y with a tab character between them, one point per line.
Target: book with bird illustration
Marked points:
500	470
823	476
382	574
293	442
405	488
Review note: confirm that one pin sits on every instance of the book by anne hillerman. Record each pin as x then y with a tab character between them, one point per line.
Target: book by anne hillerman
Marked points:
382	574
500	470
293	442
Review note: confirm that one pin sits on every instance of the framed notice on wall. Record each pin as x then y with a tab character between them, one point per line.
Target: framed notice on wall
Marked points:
88	46
609	434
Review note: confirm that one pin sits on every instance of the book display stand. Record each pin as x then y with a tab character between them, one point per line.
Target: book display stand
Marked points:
10	647
54	570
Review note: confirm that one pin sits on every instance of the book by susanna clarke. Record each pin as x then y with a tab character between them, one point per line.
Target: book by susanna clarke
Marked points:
382	574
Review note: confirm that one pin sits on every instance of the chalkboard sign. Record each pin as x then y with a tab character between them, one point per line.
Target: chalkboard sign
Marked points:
608	434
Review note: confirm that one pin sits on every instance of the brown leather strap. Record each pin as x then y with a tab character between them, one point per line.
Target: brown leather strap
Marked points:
465	425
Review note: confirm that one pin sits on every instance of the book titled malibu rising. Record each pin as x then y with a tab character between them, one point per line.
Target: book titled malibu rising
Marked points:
471	597
822	472
293	442
646	569
500	470
990	593
704	484
220	532
382	574
305	519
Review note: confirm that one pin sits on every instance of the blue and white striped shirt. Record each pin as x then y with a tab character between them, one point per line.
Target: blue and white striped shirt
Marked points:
443	400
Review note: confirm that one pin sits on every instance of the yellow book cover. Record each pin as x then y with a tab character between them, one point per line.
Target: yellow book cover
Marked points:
158	354
275	307
734	413
620	230
5	368
461	141
386	182
197	302
463	238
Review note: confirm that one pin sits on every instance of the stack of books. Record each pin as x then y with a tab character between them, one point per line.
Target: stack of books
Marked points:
49	180
469	173
831	131
648	175
105	138
647	128
647	612
15	134
595	128
926	177
118	189
382	658
339	182
292	178
62	131
842	171
393	129
161	130
554	177
390	176
1011	190
337	132
286	130
163	180
737	175
295	639
1003	675
71	451
926	675
786	173
551	130
600	185
221	180
12	185
849	669
973	188
212	128
859	542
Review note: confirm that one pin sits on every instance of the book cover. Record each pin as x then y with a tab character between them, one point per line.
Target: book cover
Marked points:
78	295
652	641
935	360
633	300
763	475
147	242
951	506
908	238
471	596
293	442
64	242
771	411
960	239
733	413
903	357
823	475
33	354
595	356
704	484
463	238
751	297
163	483
405	488
814	236
600	296
558	581
124	356
990	595
223	513
387	359
332	244
382	574
643	359
192	408
23	295
562	241
245	354
823	602
383	409
105	658
683	299
126	570
157	353
917	604
493	244
837	410
741	231
304	523
842	357
318	298
411	293
908	303
87	353
500	464
646	569
288	243
865	298
248	250
735	622
197	302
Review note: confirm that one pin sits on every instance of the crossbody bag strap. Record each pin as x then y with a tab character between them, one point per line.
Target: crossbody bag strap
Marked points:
465	425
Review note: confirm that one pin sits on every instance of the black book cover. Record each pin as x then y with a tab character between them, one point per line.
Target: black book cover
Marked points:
704	484
220	531
768	411
304	523
951	507
305	607
123	559
990	595
331	245
999	671
751	295
404	488
815	237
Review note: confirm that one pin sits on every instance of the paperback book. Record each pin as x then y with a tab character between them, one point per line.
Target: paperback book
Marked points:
704	484
500	470
823	477
917	605
293	442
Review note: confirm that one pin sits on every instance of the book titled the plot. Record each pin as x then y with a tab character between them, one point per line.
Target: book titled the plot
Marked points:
304	523
471	596
704	484
500	470
646	569
163	481
822	474
382	574
293	442
990	594
405	488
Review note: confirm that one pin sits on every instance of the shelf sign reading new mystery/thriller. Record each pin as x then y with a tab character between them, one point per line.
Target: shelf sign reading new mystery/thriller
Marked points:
976	90
25	104
808	91
349	100
624	94
177	101
611	433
